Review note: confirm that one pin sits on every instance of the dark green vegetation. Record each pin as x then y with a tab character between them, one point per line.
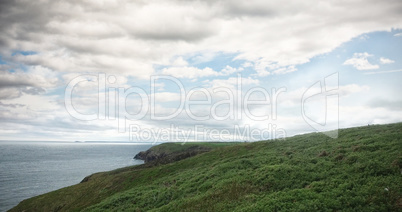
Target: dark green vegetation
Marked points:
359	171
171	152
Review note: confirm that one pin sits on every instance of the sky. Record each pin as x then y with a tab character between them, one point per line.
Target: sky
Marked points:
174	70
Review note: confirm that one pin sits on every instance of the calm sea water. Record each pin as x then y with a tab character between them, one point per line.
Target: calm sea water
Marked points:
28	169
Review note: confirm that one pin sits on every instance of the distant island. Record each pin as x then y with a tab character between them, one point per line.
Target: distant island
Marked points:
359	171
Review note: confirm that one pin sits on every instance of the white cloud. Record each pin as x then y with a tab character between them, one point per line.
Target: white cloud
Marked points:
189	72
285	70
360	61
363	115
36	76
84	28
35	81
166	97
129	37
347	90
383	72
38	103
247	64
233	82
164	22
179	62
295	97
10	93
228	70
263	67
384	60
193	72
398	35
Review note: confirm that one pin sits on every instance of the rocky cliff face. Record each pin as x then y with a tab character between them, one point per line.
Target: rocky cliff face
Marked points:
165	156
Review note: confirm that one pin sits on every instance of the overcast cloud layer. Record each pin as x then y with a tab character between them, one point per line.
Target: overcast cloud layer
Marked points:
208	44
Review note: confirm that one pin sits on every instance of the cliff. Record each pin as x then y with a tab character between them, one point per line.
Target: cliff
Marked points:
170	152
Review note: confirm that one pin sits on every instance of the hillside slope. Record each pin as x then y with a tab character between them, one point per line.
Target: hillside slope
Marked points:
171	152
359	171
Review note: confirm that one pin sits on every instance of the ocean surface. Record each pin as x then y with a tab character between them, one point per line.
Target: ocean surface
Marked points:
29	169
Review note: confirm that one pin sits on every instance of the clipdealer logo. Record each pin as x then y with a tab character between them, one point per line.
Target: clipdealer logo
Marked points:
319	108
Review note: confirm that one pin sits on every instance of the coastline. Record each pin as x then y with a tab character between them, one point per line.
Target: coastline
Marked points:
359	171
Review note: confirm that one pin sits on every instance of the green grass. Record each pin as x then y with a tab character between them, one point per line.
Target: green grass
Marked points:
180	147
359	171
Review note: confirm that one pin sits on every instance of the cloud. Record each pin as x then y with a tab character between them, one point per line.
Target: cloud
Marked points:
360	62
34	77
10	93
228	70
179	62
395	104
294	97
398	35
33	90
85	29
383	72
13	80
347	90
285	70
166	97
171	22
130	37
11	105
265	68
362	115
34	81
384	60
233	82
189	72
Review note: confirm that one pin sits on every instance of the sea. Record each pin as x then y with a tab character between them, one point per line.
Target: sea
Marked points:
31	168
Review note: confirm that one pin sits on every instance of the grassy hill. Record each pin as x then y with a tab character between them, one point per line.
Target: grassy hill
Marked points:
359	171
171	152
